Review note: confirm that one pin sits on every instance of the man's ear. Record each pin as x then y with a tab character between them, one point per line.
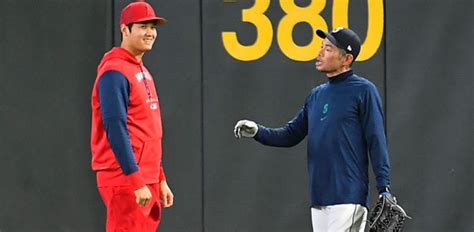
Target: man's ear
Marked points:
349	59
124	30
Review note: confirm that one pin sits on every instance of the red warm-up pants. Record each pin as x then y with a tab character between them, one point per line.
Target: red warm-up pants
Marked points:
123	212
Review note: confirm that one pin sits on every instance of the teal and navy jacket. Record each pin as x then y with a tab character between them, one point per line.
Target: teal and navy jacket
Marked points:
343	120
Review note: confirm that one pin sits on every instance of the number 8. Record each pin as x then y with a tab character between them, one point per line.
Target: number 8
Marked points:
294	15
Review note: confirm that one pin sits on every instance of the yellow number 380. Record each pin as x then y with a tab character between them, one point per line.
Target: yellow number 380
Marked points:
295	14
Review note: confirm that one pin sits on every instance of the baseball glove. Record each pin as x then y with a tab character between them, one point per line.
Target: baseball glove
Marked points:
387	215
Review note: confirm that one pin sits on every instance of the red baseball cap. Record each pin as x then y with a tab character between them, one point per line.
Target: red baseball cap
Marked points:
136	12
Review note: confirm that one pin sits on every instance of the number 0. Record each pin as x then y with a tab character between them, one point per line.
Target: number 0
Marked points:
340	14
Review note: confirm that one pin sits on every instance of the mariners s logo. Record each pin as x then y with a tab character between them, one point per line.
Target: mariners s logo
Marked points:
325	111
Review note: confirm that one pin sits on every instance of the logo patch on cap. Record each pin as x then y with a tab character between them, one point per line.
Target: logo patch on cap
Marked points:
337	29
349	48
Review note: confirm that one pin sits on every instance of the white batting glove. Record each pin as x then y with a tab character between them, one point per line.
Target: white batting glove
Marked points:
245	128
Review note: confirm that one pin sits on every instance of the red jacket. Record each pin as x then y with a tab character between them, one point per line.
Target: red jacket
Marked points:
143	123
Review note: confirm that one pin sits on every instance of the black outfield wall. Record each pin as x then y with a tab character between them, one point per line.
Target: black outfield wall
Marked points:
218	61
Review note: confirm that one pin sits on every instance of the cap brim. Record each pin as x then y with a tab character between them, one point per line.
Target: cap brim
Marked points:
325	35
158	20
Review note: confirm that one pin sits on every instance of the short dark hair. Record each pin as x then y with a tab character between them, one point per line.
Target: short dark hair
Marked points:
343	52
130	25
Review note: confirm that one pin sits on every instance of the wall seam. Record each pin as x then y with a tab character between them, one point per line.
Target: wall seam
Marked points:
203	227
385	107
113	24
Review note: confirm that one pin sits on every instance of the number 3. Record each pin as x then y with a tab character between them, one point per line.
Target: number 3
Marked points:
263	42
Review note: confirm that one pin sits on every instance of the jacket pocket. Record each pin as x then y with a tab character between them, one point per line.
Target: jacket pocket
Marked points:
150	157
137	147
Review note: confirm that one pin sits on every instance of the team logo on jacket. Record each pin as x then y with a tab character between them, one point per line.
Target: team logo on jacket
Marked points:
142	75
324	114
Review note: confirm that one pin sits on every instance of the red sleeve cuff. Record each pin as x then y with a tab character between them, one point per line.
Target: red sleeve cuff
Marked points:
162	174
136	180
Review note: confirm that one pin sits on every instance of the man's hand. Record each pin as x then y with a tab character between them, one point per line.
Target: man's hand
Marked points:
245	128
143	196
167	196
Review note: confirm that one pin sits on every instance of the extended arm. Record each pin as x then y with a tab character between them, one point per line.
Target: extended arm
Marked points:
289	135
373	126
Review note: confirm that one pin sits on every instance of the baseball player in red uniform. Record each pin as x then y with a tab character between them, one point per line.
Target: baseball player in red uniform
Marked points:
126	128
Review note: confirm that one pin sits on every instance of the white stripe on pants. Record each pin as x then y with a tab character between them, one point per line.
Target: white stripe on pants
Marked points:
339	218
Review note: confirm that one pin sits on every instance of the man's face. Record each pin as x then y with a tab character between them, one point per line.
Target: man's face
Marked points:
142	36
330	60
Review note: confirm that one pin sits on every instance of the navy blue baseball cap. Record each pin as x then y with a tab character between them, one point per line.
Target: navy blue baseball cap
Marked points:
343	38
